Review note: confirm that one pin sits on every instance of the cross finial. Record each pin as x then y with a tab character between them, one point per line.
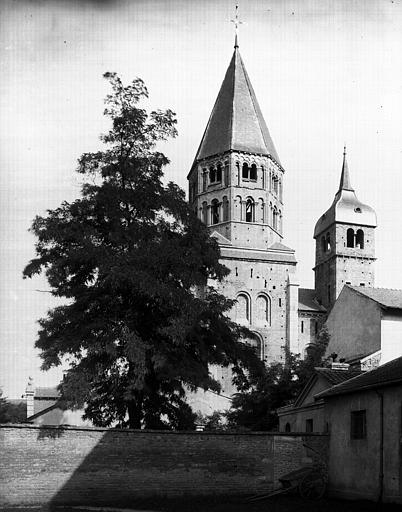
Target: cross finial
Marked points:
236	22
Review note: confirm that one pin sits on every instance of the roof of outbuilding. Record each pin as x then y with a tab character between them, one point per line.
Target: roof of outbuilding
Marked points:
384	375
46	393
236	122
387	297
333	377
308	301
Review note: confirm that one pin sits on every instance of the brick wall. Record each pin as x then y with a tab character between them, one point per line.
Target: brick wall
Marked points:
53	465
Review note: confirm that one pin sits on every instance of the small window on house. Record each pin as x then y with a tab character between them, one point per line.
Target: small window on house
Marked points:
280	303
358	424
245	171
316	327
358	210
309	425
287	427
362	284
302	326
253	172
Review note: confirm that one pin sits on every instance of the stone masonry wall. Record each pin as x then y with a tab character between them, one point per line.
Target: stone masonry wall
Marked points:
51	465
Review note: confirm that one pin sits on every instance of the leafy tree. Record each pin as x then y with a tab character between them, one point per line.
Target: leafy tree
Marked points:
11	412
131	258
271	387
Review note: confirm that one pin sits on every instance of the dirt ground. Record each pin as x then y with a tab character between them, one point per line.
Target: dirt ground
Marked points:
275	504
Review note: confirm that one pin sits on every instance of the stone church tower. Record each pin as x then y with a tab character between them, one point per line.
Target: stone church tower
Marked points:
344	238
236	188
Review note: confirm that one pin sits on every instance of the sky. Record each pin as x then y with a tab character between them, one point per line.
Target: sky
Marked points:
325	72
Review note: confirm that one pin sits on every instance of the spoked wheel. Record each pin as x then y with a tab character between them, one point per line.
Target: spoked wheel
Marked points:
312	486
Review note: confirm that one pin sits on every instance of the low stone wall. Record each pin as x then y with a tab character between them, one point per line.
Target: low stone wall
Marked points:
76	466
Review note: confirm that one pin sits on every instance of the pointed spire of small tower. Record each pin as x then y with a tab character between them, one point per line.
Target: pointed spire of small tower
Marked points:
345	179
236	22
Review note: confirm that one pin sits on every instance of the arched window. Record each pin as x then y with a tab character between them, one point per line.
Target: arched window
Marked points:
225	208
287	427
360	239
323	244
350	238
245	171
249	210
280	221
276	181
255	341
253	172
262	311
204	212
214	211
212	174
219	173
242	309
204	179
328	242
275	219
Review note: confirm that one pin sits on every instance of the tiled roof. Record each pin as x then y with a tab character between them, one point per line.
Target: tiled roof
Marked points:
387	297
46	393
337	376
384	375
308	302
236	122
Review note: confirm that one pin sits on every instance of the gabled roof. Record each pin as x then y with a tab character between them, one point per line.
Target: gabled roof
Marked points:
385	375
335	377
308	301
236	122
332	377
386	297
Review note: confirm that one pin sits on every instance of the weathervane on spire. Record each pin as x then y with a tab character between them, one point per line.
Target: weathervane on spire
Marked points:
236	22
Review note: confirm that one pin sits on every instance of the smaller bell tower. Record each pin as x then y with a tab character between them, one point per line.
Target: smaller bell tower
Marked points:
345	248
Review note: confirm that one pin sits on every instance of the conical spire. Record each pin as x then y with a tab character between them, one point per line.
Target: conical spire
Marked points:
345	179
236	121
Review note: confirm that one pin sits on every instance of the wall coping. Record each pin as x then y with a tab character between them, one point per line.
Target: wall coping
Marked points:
160	432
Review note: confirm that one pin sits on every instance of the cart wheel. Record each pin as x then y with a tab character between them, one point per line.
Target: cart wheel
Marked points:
312	486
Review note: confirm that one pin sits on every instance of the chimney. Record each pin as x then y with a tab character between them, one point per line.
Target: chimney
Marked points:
29	395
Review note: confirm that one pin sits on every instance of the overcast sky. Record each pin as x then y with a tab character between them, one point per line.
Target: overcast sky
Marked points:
325	72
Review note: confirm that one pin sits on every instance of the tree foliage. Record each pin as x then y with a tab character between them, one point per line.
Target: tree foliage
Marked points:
132	259
12	412
273	386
